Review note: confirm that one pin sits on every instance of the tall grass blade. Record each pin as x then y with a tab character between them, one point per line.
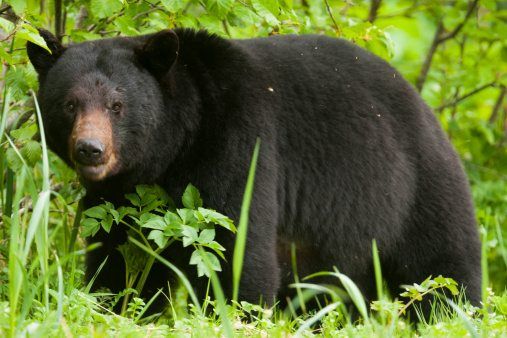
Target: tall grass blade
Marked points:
147	306
378	270
240	244
59	306
502	248
484	267
75	225
3	119
301	301
41	236
354	293
15	252
95	275
318	316
471	328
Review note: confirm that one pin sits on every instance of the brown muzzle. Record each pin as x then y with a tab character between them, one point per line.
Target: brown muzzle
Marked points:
91	145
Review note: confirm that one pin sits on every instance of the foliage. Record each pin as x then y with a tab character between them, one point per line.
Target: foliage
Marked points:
454	52
193	225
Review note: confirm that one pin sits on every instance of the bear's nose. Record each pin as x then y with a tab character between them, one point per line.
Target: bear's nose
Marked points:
89	151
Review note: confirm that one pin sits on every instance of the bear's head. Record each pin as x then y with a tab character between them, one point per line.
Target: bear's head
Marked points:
105	102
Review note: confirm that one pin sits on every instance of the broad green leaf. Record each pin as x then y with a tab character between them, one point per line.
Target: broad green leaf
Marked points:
213	261
267	10
19	6
217	248
90	226
191	198
98	212
219	7
159	238
206	236
187	216
156	222
13	160
24	133
134	199
211	216
115	214
189	235
29	33
173	6
124	211
203	264
32	152
103	9
107	223
6	25
172	220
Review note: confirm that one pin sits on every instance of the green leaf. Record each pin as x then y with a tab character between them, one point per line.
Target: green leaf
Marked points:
268	10
29	33
98	212
172	220
124	211
210	261
6	25
217	248
134	199
159	238
13	160
211	216
115	214
213	261
206	236
90	227
191	198
173	6
103	9
187	216
155	222
219	8
24	133
32	152
19	6
189	235
107	223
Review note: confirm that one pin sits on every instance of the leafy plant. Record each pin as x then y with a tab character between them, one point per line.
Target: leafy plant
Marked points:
153	220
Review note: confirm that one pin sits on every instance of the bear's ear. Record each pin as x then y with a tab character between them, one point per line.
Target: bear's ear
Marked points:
40	58
159	52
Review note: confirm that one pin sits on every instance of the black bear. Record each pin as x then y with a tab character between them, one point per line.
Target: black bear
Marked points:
349	152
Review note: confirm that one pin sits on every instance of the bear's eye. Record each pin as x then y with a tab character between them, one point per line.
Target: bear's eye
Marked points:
116	107
70	107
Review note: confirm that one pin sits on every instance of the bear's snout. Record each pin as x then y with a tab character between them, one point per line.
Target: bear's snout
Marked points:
89	152
92	147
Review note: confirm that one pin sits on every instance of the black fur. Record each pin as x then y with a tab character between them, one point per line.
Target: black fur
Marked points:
349	153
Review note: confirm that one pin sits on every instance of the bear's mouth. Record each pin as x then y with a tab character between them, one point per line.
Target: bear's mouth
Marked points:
92	172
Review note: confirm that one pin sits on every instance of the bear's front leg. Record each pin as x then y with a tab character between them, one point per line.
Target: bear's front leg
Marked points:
260	278
112	274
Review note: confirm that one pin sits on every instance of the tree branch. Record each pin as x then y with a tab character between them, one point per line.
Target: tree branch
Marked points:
466	96
421	78
458	28
438	39
375	5
7	13
498	104
58	19
337	28
4	8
